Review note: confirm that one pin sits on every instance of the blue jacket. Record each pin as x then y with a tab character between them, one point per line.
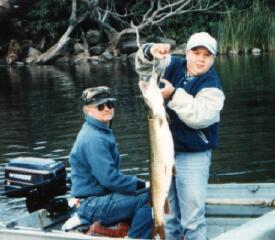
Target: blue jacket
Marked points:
186	138
95	161
195	106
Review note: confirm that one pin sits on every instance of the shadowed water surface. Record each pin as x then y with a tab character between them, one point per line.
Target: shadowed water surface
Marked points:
40	116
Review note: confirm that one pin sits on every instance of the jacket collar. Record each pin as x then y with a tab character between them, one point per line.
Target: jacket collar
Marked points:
96	123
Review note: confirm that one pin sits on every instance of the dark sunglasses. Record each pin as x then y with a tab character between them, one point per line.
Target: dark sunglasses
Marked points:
108	104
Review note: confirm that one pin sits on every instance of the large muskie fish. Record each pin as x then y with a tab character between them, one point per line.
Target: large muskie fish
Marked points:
161	151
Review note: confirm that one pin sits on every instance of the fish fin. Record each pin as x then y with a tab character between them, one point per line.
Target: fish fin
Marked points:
174	172
158	231
166	206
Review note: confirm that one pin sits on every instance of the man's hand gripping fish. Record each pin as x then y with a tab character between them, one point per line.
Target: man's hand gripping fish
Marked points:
161	151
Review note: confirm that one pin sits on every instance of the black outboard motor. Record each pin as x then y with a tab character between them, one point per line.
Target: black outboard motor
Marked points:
39	180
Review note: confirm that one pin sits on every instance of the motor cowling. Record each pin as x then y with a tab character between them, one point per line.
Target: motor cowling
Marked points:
40	180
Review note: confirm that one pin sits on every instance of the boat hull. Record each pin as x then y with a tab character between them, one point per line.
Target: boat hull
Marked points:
245	210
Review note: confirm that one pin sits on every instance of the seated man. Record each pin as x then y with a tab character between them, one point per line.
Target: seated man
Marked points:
107	195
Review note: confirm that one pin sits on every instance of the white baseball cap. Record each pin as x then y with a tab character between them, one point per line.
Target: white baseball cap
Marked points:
202	39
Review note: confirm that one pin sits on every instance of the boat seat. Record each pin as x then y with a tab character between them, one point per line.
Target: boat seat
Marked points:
96	229
120	230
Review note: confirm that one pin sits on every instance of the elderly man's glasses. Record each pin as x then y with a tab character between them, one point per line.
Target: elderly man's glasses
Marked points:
108	104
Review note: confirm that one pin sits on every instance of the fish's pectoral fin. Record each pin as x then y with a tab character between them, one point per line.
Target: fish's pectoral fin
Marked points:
166	206
174	172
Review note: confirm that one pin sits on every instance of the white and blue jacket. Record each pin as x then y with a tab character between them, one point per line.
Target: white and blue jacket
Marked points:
194	109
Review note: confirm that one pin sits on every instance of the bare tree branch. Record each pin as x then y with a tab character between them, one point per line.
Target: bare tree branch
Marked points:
107	13
165	11
156	13
55	50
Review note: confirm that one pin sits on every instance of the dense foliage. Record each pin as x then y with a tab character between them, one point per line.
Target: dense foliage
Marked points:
48	18
238	25
240	30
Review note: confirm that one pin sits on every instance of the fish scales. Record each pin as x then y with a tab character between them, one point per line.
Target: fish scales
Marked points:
161	150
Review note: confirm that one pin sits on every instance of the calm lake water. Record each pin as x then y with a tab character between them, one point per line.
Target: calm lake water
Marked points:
40	115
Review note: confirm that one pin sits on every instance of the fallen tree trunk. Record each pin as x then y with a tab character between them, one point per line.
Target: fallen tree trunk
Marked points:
56	49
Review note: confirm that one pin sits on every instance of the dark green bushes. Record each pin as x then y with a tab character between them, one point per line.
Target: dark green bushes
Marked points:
239	26
49	19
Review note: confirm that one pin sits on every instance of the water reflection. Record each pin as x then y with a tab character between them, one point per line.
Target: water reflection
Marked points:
247	146
41	115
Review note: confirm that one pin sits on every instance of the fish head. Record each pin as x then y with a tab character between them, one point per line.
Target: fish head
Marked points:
152	97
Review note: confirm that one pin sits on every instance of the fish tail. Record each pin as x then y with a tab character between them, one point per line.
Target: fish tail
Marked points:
159	230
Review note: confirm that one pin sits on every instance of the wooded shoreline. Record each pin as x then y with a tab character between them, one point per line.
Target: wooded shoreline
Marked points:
77	31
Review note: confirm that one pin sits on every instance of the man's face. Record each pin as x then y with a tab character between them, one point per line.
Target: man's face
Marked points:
102	113
199	60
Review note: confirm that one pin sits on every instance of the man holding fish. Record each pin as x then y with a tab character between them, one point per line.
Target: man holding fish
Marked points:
194	99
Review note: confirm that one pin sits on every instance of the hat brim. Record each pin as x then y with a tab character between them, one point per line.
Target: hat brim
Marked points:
103	100
212	51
